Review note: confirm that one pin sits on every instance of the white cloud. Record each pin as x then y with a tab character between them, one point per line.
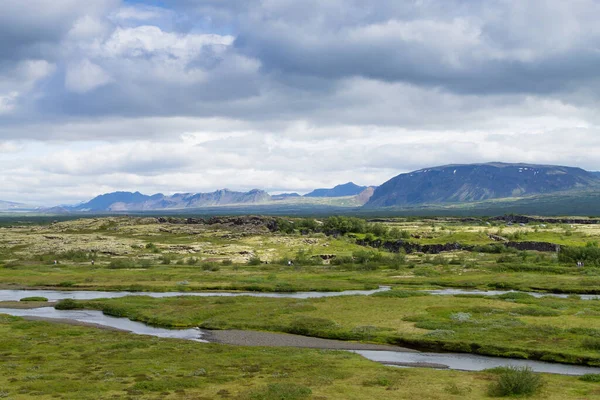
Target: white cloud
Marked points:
84	76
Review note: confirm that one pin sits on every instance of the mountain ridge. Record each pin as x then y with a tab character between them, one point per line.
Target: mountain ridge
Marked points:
464	183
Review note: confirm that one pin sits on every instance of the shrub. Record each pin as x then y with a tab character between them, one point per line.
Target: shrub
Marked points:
38	298
590	378
460	317
515	381
254	260
165	260
590	255
210	267
68	304
310	325
145	263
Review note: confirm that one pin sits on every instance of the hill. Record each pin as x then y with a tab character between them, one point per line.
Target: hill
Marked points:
347	189
466	183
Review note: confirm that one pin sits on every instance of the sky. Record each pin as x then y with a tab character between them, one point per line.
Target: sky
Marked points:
287	95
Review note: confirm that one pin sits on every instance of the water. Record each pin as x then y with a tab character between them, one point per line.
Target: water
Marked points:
472	362
452	292
98	318
55	295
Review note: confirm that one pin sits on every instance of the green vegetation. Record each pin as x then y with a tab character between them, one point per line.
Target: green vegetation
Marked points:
516	381
34	298
285	254
46	361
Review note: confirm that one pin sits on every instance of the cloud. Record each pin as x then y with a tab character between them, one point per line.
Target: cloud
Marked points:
194	95
84	76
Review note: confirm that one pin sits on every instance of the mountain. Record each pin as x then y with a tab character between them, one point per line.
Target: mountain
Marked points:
9	206
106	201
477	182
284	196
347	189
127	201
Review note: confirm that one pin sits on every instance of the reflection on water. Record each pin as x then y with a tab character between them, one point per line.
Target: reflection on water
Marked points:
451	292
472	362
55	295
98	318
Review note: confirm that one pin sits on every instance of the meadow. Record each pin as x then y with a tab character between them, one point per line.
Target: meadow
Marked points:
277	254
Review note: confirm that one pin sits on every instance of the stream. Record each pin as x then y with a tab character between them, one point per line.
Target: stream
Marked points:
452	292
56	295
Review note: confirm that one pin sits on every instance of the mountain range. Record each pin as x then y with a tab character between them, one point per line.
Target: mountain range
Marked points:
444	187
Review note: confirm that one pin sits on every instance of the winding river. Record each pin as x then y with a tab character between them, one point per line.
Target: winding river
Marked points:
456	361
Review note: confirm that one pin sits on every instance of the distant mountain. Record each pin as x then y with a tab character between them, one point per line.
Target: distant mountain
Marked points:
284	196
107	201
9	206
477	182
127	201
347	189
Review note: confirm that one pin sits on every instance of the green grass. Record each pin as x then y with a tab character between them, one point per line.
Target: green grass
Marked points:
47	361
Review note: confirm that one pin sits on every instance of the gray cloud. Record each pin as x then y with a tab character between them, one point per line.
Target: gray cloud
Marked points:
108	94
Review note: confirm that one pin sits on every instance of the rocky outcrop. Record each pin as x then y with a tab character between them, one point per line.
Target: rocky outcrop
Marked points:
409	247
524	219
534	246
246	220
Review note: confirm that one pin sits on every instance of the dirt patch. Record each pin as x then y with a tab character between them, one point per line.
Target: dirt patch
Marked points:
267	339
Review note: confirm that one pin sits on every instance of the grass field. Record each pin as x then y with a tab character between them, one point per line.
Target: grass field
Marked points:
48	361
252	254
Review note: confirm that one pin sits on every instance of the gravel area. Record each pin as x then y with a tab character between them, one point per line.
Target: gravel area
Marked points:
254	338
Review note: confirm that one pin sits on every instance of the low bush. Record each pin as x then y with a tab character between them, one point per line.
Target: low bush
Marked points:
254	260
590	378
515	381
68	304
310	326
34	298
